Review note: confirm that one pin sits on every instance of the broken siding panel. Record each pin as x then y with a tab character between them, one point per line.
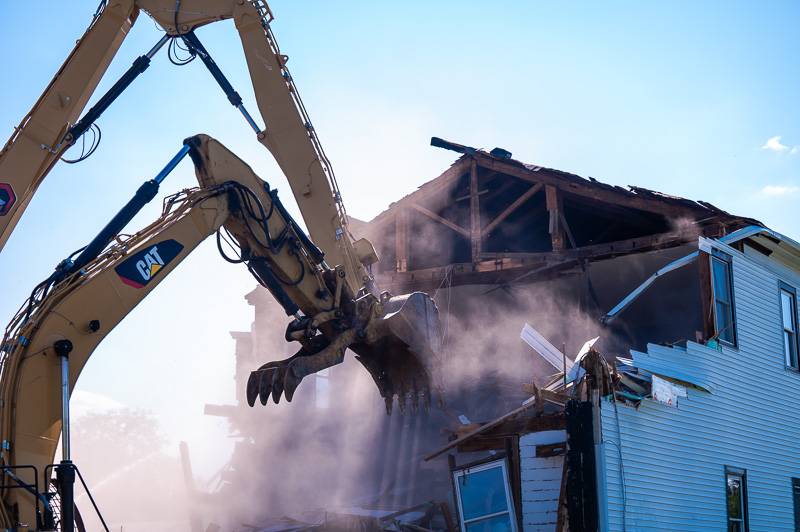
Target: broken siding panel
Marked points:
673	459
541	481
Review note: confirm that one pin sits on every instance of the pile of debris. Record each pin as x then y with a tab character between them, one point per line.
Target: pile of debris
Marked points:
427	517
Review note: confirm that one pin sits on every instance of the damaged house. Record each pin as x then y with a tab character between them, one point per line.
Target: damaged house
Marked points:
652	387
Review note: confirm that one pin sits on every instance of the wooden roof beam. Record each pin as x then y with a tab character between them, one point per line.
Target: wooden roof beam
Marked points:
580	189
444	221
508	211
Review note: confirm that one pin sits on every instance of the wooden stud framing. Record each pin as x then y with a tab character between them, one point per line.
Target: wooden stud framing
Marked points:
474	212
511	208
555	207
444	221
609	195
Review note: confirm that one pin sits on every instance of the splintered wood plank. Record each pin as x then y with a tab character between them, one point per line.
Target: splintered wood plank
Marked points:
555	207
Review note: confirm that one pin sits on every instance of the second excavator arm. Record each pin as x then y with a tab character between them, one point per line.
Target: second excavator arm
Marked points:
53	125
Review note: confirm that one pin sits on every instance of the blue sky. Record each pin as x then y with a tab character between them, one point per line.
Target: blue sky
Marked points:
681	97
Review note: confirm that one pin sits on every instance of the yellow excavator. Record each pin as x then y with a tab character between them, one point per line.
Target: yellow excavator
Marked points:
322	279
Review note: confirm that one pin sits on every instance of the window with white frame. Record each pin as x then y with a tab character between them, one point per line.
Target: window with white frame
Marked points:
736	499
722	284
789	323
484	498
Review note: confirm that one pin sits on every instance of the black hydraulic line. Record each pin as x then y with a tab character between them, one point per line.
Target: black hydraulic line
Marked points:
316	254
143	196
261	269
139	65
196	47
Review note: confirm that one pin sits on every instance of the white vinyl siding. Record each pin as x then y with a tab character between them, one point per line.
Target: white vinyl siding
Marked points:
541	481
673	459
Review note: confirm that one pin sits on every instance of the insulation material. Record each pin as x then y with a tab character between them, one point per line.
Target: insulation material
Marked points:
666	392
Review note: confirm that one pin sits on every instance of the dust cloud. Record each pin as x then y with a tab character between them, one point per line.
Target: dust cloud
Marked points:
138	486
334	448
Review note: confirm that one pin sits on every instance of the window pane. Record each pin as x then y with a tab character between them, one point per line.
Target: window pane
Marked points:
721	281
790	349
482	493
500	523
724	322
734	494
787	311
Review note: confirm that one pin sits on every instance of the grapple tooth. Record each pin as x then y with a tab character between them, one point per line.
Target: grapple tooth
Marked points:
277	385
414	401
265	385
290	383
401	403
252	387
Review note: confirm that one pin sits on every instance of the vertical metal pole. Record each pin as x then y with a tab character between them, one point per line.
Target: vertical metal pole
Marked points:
65	452
65	472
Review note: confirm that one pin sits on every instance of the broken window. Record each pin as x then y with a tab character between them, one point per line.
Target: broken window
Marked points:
736	497
789	321
484	498
724	316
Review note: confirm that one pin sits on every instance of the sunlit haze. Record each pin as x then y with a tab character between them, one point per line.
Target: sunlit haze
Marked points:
693	100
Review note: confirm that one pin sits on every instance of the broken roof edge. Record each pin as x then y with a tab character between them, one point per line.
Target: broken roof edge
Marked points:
501	161
736	236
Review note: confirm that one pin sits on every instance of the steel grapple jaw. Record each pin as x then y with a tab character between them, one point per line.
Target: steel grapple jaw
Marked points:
399	347
402	355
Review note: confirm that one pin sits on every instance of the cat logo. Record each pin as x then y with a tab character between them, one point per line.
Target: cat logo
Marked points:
138	269
7	198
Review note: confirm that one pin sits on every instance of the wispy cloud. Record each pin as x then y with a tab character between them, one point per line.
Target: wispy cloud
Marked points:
775	144
779	190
